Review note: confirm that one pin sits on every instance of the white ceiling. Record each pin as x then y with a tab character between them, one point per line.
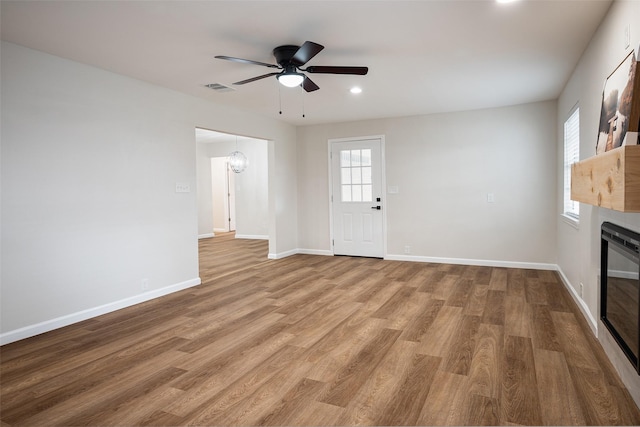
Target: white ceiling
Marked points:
423	56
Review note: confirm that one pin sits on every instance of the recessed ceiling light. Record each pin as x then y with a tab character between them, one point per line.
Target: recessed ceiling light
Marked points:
355	89
506	1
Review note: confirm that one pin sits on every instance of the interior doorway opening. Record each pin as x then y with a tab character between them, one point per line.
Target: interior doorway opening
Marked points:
247	205
247	198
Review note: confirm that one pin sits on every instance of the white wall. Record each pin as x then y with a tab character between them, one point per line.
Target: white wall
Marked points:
283	179
252	186
90	160
579	249
444	165
221	186
204	191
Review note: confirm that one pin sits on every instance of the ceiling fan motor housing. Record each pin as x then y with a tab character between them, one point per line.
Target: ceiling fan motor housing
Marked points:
283	55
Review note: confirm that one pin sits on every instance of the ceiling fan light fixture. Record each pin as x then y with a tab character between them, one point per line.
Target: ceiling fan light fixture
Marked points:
291	79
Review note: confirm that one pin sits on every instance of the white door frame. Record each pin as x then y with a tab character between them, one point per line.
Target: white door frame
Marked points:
383	190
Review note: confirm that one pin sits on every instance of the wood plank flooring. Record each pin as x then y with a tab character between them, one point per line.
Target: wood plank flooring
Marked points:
314	340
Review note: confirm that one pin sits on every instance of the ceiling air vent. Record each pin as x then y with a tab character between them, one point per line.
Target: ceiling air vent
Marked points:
218	87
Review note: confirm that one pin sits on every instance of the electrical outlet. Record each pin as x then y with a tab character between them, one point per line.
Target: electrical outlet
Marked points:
490	198
183	187
144	284
581	289
627	36
407	250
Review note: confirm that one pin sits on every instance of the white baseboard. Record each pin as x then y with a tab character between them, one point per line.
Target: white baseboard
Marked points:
205	236
593	324
435	260
220	230
252	236
50	325
282	254
322	252
481	262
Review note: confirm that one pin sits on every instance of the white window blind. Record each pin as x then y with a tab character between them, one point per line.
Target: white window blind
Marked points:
571	155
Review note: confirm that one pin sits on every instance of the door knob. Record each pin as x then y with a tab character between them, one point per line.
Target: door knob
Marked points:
376	207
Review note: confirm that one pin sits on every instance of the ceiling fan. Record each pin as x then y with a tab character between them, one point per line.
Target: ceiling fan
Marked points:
290	59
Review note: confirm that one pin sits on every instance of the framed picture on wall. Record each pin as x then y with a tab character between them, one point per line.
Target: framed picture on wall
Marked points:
620	111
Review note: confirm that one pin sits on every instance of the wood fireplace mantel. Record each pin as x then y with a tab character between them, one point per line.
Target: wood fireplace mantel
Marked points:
609	180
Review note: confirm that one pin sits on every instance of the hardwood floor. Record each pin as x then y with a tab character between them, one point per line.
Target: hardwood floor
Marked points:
314	340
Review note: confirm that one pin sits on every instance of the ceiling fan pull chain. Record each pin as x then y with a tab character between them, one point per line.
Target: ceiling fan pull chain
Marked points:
280	98
302	92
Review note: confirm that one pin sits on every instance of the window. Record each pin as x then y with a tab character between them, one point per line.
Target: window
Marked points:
355	175
571	155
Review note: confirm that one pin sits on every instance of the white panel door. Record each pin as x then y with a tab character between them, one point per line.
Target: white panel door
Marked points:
356	181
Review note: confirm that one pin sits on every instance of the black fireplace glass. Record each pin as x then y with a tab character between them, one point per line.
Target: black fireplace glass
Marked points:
620	288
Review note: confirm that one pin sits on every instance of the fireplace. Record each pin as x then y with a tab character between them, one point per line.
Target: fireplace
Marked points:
620	288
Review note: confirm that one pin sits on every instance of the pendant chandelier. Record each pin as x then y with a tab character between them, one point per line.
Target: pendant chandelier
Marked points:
237	160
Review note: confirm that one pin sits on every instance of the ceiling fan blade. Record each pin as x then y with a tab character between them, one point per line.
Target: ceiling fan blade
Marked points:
361	71
253	79
309	85
246	61
307	51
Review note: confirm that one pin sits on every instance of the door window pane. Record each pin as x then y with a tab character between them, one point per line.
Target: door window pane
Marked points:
366	157
346	193
346	175
355	169
355	158
367	193
356	175
366	175
345	158
357	193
